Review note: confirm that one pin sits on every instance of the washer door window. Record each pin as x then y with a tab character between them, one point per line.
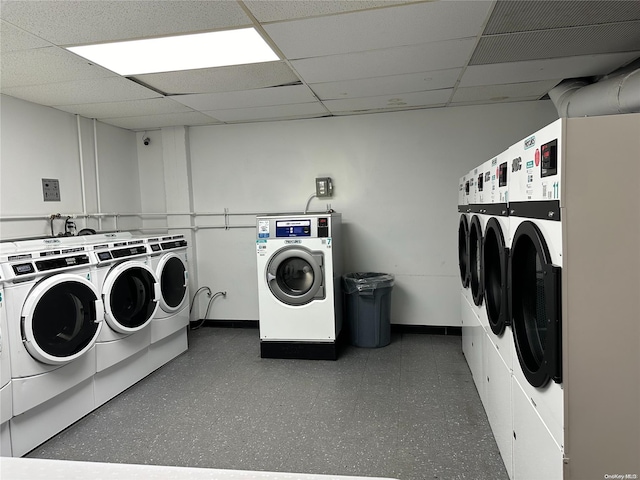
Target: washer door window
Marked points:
494	273
475	260
172	273
295	275
535	306
61	318
131	293
463	250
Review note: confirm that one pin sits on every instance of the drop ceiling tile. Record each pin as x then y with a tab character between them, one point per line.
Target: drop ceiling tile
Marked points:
131	108
77	22
46	65
112	89
13	39
391	61
564	42
382	28
500	93
497	100
400	101
290	9
276	112
388	85
526	15
248	98
570	67
221	79
148	122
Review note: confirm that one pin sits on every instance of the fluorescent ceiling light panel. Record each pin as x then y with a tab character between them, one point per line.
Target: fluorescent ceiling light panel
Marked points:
184	52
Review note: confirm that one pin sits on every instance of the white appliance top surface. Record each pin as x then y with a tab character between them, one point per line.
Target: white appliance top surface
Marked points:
299	214
43	469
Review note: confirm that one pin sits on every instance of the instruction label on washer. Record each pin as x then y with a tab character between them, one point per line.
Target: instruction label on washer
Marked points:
261	247
263	228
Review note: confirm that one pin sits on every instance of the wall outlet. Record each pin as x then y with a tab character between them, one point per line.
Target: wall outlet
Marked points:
51	189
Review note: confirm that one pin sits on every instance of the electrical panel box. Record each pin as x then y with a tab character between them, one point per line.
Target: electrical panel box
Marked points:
324	187
51	189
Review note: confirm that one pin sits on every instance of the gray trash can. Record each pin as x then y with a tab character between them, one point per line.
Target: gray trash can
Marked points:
368	308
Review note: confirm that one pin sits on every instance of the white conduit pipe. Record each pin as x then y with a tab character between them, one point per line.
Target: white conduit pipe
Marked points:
95	157
562	93
81	157
615	95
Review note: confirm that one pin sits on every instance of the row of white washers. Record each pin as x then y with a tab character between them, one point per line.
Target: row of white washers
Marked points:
510	257
83	319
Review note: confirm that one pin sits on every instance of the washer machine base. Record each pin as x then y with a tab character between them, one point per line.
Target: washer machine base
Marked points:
5	440
168	348
39	424
113	353
122	375
299	350
35	391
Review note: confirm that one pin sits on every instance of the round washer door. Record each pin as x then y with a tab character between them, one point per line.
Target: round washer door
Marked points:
131	294
295	275
475	260
535	306
174	281
463	250
495	256
61	318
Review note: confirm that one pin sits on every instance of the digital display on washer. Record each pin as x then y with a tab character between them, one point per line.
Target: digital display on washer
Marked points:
102	256
293	228
23	269
549	164
502	175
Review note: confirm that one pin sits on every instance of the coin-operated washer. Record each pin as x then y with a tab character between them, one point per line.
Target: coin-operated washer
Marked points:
54	315
299	289
168	259
130	291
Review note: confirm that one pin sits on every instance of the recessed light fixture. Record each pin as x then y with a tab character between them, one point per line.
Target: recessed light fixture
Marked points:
183	52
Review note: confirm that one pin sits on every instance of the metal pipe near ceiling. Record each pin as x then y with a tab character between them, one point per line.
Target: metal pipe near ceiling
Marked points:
613	95
97	167
81	159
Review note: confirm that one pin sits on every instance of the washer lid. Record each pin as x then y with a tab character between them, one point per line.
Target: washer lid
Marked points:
61	318
535	306
495	256
295	275
174	281
475	257
131	293
463	250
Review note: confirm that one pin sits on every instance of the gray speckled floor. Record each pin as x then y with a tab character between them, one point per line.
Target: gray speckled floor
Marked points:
409	411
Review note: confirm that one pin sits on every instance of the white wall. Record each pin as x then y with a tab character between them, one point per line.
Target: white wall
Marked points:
41	142
395	178
152	190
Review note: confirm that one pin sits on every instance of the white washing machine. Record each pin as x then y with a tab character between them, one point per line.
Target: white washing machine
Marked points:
54	316
495	255
534	276
473	330
477	227
6	401
168	259
130	292
468	320
475	293
299	285
499	341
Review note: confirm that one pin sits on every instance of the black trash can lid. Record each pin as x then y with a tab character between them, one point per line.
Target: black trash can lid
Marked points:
366	281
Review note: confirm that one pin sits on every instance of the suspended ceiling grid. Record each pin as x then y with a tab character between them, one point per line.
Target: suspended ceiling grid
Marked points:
337	57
